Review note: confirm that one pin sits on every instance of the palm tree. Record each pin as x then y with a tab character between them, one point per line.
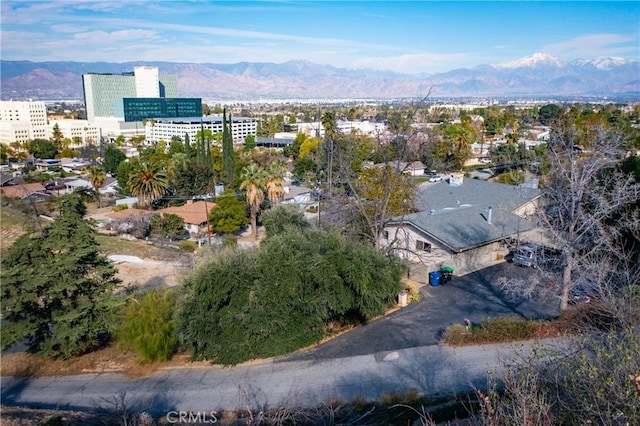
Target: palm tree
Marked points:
253	181
147	181
275	174
97	176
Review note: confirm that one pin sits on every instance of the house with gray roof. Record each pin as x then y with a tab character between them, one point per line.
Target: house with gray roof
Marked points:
462	223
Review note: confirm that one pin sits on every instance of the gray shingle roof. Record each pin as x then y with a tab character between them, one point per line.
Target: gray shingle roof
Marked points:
465	228
472	192
457	216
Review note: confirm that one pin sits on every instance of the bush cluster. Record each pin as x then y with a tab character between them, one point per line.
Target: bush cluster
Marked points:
148	325
492	330
243	305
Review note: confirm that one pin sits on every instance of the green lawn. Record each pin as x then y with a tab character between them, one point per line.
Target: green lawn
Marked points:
420	179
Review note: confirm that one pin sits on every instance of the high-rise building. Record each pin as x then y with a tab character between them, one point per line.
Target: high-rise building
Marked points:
117	103
104	94
22	121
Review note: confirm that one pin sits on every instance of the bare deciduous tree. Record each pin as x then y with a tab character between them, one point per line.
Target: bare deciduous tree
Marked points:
590	210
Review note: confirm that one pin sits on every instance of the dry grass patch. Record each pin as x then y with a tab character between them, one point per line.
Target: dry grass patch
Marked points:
108	360
500	329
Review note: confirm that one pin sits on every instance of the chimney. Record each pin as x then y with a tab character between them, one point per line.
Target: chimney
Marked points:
489	215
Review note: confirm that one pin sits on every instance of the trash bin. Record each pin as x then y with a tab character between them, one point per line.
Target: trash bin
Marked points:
446	273
434	278
402	298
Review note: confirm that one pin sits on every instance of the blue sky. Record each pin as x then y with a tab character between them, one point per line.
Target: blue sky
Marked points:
412	37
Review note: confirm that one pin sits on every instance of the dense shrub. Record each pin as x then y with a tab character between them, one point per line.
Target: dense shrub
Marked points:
492	330
148	326
273	300
188	245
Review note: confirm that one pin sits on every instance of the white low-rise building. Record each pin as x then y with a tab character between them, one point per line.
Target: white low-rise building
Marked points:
22	121
77	130
163	129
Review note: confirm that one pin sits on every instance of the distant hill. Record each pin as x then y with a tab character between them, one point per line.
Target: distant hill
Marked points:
536	75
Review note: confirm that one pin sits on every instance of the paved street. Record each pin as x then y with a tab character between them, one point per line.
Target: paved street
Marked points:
428	369
473	296
394	353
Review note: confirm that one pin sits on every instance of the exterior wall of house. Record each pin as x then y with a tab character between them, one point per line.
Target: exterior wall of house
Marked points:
407	242
194	229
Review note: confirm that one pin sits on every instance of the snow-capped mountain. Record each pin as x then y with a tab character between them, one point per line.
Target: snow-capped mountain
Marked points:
537	75
602	63
536	60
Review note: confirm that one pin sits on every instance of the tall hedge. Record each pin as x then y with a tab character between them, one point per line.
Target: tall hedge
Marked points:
243	305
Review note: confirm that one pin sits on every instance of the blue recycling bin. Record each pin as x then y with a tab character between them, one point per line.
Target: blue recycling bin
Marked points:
434	278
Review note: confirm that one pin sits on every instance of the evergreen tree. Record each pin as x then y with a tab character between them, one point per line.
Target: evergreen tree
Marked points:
190	177
187	146
201	144
57	137
112	158
57	290
229	214
228	159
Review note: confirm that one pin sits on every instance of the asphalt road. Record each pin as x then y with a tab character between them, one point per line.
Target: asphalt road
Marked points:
392	354
475	296
430	370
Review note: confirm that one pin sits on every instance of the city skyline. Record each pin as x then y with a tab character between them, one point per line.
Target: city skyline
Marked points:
409	37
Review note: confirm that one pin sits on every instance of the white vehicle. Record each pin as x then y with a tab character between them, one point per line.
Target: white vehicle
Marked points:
485	161
436	178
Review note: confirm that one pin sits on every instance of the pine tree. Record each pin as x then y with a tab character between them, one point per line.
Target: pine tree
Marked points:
228	159
57	290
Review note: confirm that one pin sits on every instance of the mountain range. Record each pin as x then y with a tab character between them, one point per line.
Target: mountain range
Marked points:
536	75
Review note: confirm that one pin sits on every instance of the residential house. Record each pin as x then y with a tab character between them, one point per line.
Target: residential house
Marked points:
75	183
74	165
110	187
462	223
35	192
415	168
299	195
48	164
195	215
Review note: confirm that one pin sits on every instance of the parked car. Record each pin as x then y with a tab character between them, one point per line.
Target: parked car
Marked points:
485	160
436	178
538	256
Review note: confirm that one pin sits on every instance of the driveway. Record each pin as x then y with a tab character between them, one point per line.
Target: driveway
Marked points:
475	296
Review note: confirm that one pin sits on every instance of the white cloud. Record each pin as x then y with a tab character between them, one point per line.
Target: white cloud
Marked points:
67	28
595	45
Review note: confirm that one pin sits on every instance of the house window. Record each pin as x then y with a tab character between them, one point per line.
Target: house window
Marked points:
385	235
423	246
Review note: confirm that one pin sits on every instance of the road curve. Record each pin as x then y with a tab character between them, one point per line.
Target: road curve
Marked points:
430	370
